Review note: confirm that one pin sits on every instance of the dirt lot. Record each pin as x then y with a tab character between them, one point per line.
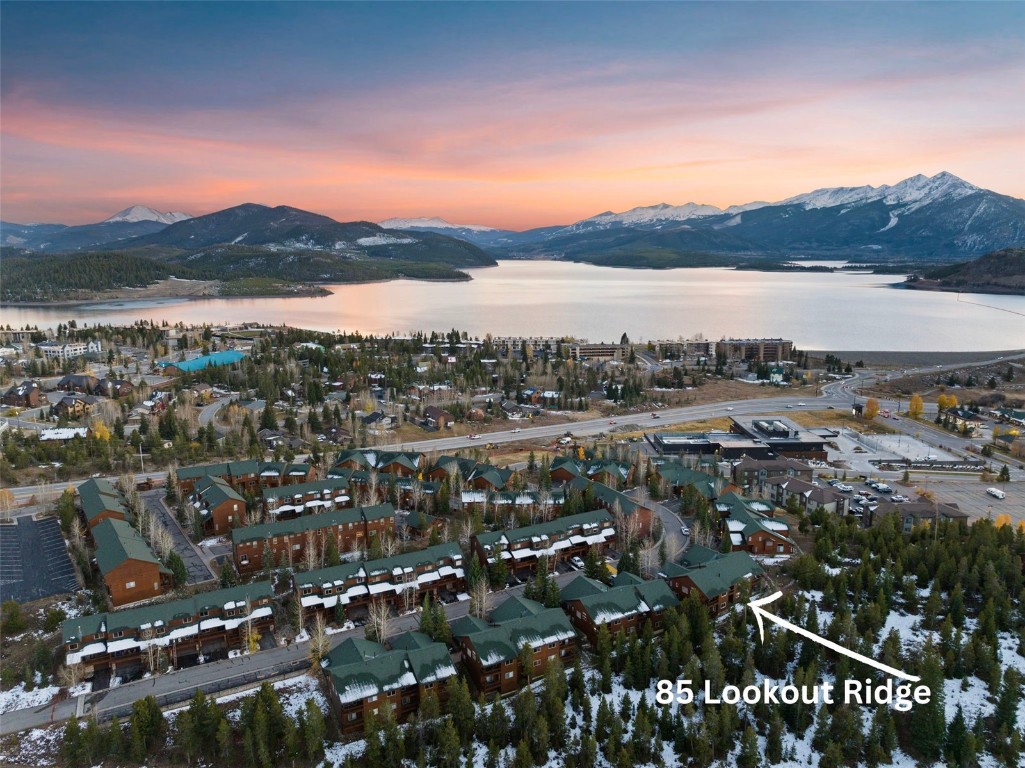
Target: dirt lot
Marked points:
837	418
930	385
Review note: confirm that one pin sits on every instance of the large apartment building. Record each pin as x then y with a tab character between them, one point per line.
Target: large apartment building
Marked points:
402	581
208	624
289	542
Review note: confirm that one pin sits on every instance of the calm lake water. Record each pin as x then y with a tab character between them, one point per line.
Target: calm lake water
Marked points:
548	298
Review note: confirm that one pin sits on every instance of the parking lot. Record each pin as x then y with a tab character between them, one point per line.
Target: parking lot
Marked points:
970	495
34	561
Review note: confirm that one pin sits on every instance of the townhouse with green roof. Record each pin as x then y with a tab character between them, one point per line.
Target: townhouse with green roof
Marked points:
365	678
624	607
99	500
716	578
515	647
130	570
561	538
677	477
751	526
287	501
373	486
401	580
247	476
402	463
219	506
286	543
178	633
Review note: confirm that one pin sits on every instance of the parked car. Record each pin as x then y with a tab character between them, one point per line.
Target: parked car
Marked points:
996	493
577	563
685	530
898	499
844	488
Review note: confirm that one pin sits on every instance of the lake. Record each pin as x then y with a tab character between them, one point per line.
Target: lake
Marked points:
550	298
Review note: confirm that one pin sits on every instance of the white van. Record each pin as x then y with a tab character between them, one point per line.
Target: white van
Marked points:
996	493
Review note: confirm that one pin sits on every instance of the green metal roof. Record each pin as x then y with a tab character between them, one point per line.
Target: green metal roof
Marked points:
630	595
345	571
301	489
715	577
313	522
557	526
117	542
133	618
360	668
99	495
503	641
516	608
581	586
677	474
216	491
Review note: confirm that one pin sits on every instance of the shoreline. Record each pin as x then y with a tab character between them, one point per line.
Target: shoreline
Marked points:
316	291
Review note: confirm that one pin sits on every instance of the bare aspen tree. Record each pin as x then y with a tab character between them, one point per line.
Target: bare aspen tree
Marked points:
379	616
320	642
70	675
480	599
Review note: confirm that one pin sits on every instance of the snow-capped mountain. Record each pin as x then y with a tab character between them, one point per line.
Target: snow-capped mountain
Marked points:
912	193
938	217
431	223
136	213
650	216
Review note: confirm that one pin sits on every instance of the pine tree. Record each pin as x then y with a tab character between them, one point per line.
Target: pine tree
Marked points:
748	757
927	727
71	745
957	734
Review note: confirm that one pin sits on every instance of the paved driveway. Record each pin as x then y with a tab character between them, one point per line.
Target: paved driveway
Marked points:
194	563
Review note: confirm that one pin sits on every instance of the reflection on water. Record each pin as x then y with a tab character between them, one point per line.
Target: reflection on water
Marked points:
546	298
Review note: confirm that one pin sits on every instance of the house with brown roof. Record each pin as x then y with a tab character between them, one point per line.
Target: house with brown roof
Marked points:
24	395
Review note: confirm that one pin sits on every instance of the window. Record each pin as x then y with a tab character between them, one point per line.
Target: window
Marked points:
779	548
72	646
372	698
118	633
231	518
297	547
552	645
130	585
352	716
508	675
537	662
244	560
204	613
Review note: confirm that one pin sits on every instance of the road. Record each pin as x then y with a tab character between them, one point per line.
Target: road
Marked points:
180	685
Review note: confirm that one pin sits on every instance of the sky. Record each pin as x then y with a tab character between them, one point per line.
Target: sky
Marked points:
513	115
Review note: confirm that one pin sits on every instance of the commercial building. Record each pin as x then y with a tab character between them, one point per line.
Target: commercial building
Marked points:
56	350
213	360
760	350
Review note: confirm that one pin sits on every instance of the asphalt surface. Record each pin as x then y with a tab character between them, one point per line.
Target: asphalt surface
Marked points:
34	561
194	563
179	686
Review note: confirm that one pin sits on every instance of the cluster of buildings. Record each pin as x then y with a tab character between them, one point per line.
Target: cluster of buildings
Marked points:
759	438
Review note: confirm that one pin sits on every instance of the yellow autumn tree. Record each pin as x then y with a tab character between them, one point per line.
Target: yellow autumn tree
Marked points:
916	407
871	408
100	431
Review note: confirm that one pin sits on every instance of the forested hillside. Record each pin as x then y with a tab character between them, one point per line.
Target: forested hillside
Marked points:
47	278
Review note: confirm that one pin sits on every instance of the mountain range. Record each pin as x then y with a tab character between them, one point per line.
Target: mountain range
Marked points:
940	219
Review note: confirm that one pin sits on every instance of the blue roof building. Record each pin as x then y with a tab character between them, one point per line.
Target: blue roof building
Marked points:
224	357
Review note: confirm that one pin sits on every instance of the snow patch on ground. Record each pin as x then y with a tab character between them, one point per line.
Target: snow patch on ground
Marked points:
18	698
385	240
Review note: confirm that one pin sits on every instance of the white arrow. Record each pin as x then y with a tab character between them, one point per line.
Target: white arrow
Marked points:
756	606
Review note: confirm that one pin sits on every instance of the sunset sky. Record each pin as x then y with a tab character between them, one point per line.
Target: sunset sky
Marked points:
510	115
